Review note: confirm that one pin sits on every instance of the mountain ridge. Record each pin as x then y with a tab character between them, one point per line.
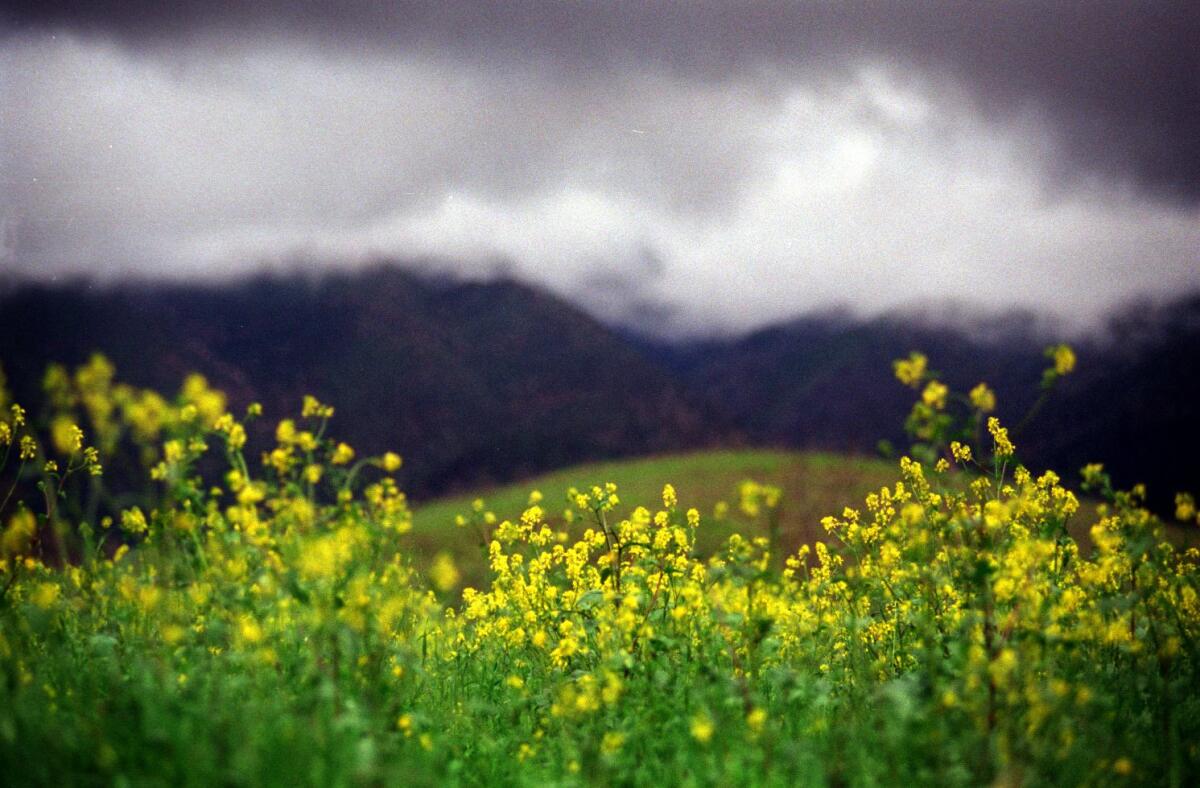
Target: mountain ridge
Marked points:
490	381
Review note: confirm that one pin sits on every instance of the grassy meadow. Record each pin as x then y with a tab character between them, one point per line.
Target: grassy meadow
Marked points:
813	484
177	609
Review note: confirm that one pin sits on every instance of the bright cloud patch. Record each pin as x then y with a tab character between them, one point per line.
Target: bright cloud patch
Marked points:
723	203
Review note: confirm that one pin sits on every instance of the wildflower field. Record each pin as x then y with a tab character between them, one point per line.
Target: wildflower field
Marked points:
176	609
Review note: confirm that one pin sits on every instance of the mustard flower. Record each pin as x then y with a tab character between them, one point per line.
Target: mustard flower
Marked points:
669	498
934	395
443	573
983	398
1004	446
133	521
702	727
1185	507
342	455
612	742
911	371
1064	359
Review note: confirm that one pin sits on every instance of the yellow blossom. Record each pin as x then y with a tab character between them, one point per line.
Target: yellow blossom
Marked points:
249	630
342	455
133	521
66	436
934	395
45	595
1185	507
312	408
911	371
443	573
983	398
285	432
612	742
22	527
1064	359
1004	446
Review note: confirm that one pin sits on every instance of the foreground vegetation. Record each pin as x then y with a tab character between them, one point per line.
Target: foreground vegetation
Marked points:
264	622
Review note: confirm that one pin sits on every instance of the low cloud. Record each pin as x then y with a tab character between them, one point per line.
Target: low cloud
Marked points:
693	191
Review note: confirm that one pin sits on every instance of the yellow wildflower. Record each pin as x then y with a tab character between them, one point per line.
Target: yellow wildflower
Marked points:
443	573
20	532
1004	446
342	455
1185	507
250	630
133	521
702	727
910	371
313	408
45	595
285	432
1064	359
66	436
612	742
983	398
934	395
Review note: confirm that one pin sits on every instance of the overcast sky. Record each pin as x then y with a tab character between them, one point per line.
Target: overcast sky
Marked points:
685	166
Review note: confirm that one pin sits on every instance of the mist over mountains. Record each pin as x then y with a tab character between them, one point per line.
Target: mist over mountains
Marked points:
485	382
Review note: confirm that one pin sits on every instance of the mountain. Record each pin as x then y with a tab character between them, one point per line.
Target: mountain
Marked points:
471	382
1133	402
487	382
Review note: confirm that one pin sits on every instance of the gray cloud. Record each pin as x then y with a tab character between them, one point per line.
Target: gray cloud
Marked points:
732	164
1119	81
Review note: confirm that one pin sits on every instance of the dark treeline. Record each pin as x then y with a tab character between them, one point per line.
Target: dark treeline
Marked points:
479	383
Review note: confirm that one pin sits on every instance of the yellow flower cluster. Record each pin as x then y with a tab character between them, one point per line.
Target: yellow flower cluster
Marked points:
911	371
1004	446
983	398
968	589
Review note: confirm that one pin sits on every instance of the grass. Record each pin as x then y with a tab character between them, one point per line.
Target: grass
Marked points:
283	631
814	484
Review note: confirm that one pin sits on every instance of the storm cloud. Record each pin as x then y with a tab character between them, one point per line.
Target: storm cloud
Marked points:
698	166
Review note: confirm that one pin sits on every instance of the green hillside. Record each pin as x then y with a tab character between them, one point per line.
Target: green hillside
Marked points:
814	484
